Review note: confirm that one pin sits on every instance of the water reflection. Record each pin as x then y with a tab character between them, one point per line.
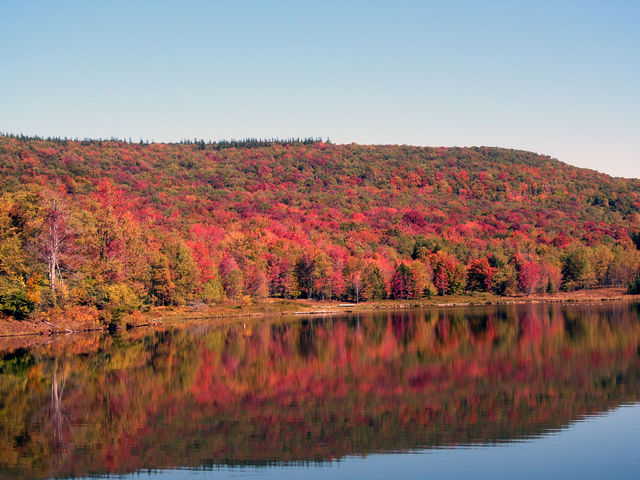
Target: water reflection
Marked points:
311	390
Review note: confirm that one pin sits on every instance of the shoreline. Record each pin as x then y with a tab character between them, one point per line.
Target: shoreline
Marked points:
273	307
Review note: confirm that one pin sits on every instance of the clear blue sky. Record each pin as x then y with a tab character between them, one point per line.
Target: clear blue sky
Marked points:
561	78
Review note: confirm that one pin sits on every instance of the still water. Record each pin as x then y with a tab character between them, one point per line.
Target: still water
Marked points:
530	391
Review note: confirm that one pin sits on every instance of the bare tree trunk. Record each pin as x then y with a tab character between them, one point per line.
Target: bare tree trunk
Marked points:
54	242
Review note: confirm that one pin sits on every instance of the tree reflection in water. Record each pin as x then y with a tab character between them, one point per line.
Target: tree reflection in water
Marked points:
313	389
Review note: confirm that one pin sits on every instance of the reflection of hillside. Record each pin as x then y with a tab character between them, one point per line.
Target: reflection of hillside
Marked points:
312	390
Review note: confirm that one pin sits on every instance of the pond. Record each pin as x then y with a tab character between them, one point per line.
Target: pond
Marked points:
524	391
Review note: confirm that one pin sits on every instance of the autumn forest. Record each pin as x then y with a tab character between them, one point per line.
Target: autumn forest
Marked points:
114	227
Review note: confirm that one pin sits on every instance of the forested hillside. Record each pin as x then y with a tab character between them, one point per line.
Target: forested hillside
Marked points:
119	226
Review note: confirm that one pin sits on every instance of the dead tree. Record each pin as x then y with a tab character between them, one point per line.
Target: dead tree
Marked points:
55	242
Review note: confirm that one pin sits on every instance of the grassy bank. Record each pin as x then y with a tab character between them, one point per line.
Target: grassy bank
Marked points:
85	319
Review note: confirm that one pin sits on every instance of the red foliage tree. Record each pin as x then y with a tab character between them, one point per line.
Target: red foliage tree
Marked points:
479	275
528	277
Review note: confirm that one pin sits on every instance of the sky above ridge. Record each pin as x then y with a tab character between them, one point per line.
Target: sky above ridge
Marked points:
559	78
